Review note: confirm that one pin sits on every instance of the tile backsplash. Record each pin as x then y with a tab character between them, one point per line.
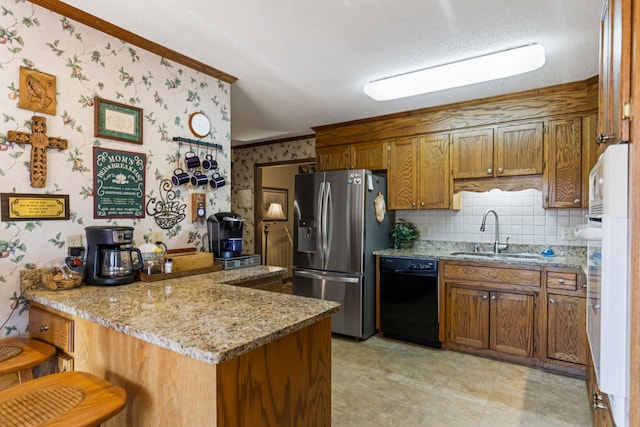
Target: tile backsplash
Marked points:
521	216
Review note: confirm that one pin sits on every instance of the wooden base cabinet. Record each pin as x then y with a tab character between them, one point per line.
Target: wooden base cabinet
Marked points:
490	309
566	328
499	321
598	401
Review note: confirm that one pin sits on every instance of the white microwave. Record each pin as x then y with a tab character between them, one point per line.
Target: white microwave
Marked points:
608	277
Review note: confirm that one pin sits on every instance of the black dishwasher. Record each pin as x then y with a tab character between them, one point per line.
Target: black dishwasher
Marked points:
409	299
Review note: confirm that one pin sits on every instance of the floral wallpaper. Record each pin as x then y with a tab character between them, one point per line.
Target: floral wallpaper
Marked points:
89	64
244	160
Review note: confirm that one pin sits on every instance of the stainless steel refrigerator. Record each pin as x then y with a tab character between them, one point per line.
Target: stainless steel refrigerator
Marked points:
335	234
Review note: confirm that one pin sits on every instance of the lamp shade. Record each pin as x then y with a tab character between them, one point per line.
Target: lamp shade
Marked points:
275	212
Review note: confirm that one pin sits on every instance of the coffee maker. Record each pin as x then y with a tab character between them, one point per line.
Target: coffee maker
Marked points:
110	259
225	234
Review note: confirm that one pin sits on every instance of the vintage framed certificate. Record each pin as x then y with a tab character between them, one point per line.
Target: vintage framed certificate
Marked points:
117	121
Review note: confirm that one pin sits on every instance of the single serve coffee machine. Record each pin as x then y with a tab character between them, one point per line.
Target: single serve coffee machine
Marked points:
110	259
225	234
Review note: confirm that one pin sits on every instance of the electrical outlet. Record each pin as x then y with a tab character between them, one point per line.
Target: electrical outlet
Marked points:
74	240
568	234
155	236
425	232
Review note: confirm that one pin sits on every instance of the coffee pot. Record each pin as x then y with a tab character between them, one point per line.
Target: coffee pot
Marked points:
118	262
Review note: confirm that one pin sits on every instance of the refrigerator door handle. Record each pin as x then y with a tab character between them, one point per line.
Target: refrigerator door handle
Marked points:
328	226
320	221
326	276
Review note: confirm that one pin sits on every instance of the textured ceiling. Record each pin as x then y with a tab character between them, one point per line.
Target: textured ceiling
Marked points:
303	63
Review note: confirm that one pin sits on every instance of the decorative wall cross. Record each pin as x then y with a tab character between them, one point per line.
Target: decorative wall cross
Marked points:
39	142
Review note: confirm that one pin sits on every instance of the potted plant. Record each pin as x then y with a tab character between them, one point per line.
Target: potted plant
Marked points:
403	233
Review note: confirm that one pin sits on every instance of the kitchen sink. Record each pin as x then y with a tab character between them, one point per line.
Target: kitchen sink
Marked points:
494	255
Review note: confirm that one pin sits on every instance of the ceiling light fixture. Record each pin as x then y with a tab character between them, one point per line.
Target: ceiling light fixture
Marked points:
468	71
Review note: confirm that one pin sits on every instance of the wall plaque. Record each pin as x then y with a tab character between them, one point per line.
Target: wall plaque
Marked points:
27	207
119	183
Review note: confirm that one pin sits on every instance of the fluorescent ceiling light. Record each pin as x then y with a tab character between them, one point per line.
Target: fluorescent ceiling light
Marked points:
468	71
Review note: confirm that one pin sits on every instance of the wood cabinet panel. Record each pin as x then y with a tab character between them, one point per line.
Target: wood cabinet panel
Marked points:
435	188
332	158
519	149
468	320
598	401
373	156
566	328
615	71
491	274
51	328
472	153
512	321
402	185
565	163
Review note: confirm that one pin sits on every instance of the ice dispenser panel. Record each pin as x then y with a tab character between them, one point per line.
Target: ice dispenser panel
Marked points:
307	233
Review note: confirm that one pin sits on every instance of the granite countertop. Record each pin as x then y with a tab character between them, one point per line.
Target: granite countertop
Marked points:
202	316
568	257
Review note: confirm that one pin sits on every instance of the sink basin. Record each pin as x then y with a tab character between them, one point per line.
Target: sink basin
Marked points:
498	255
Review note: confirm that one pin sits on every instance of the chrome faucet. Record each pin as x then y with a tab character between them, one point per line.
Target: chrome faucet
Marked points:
497	246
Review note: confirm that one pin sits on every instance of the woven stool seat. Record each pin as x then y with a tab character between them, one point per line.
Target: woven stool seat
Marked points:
63	399
21	354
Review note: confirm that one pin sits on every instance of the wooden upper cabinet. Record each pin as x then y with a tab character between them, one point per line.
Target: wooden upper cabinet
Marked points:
519	150
565	163
436	186
369	155
472	154
615	71
332	158
419	173
402	185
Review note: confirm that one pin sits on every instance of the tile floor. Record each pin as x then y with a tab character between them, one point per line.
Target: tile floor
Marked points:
382	382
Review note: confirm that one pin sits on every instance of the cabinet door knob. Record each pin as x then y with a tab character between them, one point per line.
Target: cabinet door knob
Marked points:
422	204
489	171
485	297
413	204
500	170
44	328
493	297
584	285
576	201
552	301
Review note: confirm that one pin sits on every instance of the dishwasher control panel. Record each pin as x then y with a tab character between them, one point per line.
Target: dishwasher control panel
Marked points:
409	265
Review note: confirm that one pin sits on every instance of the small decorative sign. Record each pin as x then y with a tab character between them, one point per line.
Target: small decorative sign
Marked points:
117	121
27	207
37	91
119	183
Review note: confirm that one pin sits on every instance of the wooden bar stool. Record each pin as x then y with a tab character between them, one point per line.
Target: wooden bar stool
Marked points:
19	355
62	400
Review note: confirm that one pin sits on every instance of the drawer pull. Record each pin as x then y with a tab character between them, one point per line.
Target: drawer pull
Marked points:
560	280
44	328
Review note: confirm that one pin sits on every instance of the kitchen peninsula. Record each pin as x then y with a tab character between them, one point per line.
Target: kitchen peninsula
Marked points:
197	350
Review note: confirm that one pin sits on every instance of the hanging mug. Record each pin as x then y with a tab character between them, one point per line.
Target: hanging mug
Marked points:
191	160
209	163
217	181
179	177
199	179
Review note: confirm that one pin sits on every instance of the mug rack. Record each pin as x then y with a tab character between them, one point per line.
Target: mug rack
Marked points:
198	142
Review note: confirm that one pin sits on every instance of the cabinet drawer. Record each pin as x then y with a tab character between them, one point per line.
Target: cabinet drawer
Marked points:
491	275
51	328
566	281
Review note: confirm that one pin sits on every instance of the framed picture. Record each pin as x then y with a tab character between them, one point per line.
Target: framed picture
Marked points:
275	195
117	121
37	91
